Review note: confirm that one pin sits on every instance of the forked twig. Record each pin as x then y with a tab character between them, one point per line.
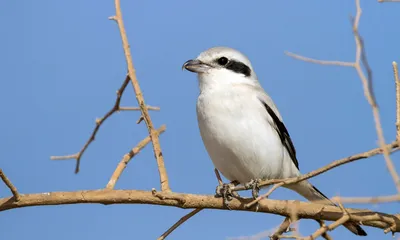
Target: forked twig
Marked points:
283	228
127	157
139	97
9	184
394	146
99	122
324	229
324	235
361	60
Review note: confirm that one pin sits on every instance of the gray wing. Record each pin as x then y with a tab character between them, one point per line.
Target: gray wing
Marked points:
281	130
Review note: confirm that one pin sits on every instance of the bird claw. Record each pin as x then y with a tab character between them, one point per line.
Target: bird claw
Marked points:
254	186
225	191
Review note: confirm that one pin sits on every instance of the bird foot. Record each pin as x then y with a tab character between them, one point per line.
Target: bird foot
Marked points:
225	191
254	185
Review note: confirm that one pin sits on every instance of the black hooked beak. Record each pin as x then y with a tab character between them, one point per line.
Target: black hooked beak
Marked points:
196	66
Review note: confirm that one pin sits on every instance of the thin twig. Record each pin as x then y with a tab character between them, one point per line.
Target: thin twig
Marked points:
368	200
397	81
77	156
283	228
323	229
324	235
369	94
394	146
288	237
138	108
266	195
9	184
139	97
361	59
218	176
177	224
127	157
99	122
317	61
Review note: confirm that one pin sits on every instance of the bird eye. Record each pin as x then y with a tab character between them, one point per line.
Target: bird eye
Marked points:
222	61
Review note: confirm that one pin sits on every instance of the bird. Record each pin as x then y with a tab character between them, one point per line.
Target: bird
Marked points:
241	127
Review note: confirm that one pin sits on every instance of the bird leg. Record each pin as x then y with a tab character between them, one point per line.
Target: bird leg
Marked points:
224	190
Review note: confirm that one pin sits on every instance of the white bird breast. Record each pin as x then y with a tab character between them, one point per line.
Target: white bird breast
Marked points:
238	136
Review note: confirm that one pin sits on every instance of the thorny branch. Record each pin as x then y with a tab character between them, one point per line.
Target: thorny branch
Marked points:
99	122
139	97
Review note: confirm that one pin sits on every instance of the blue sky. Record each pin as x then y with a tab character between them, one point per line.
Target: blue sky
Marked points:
62	62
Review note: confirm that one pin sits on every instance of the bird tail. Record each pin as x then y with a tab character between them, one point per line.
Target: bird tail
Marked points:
311	193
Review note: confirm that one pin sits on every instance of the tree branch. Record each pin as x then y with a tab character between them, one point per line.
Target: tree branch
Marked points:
127	158
192	201
361	60
139	97
394	146
180	222
283	228
9	184
397	82
77	156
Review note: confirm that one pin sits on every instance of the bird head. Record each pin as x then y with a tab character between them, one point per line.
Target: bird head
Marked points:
221	65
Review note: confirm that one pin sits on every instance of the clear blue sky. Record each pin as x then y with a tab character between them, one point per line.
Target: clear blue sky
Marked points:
62	61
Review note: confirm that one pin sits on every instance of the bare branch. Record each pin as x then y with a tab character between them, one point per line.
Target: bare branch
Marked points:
139	97
218	176
397	81
394	146
138	108
323	229
324	235
8	183
361	60
77	156
369	94
127	157
180	222
368	200
99	122
266	195
306	210
317	61
283	228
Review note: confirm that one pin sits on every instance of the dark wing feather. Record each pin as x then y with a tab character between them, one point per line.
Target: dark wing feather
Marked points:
283	134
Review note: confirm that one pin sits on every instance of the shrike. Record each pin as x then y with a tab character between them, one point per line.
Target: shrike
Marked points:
241	127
